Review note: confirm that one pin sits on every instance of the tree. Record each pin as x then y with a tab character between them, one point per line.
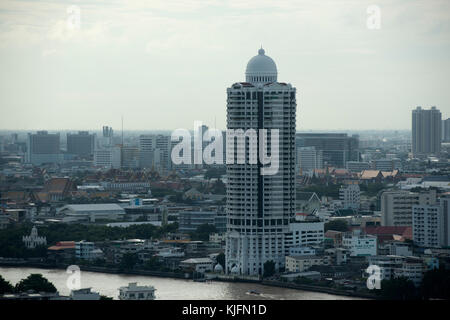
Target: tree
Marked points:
336	225
129	260
436	284
400	288
269	269
203	231
35	282
221	259
5	286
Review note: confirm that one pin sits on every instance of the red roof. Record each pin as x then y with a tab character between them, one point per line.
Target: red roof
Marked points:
61	245
386	230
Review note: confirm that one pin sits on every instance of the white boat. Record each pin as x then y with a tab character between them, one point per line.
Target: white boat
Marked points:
135	292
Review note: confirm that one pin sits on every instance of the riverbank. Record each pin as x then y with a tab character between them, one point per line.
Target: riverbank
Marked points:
288	285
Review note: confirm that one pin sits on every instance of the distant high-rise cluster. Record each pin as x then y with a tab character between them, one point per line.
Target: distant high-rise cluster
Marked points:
43	147
81	144
335	149
446	130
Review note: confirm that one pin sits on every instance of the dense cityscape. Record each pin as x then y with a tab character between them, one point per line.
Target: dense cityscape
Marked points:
363	214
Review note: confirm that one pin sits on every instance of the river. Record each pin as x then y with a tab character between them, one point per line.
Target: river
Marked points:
167	288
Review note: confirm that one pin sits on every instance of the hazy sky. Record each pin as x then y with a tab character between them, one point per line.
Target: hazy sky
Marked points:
163	64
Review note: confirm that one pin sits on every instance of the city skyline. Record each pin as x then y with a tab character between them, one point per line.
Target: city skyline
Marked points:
126	58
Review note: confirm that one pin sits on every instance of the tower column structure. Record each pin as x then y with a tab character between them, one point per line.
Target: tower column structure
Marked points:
259	206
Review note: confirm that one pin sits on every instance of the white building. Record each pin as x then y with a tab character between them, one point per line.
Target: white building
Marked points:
359	244
109	157
308	159
198	264
91	212
302	263
426	225
33	240
154	152
396	206
86	250
259	207
135	292
305	234
350	196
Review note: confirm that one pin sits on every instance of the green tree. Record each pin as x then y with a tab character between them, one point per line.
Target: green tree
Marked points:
336	225
269	269
436	284
35	282
221	259
5	286
203	231
399	288
129	261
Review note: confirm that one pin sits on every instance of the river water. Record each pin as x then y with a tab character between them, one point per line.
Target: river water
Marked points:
167	288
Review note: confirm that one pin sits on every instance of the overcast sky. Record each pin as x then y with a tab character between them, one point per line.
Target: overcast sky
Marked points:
163	64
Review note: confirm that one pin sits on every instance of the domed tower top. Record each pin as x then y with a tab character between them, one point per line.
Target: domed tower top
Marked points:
261	69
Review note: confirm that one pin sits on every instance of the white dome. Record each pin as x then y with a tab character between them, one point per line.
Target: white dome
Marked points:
218	268
235	269
261	69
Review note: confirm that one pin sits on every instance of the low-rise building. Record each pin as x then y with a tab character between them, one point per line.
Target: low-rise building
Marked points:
87	251
302	263
34	240
197	264
360	244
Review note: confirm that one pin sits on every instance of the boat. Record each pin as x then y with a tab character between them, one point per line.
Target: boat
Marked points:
135	292
254	292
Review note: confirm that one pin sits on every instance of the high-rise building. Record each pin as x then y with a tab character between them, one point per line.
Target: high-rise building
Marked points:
154	152
426	131
259	207
426	225
130	157
337	148
350	196
81	143
109	157
445	221
396	206
308	159
446	130
43	147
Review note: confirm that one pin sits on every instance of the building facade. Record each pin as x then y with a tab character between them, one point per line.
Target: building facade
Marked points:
426	225
396	206
43	147
426	131
350	196
337	148
259	207
81	144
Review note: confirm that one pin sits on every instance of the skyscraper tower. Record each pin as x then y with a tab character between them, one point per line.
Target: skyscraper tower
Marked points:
260	207
426	131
